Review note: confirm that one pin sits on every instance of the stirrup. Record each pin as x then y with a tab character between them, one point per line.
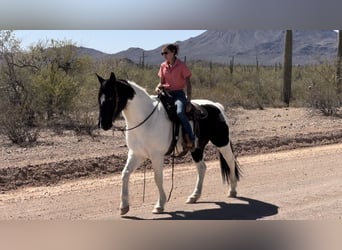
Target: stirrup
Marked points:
192	148
186	149
183	153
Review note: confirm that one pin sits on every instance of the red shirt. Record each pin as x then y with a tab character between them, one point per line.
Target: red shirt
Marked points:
175	75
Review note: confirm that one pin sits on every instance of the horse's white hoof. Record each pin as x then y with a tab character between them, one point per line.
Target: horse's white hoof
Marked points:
192	200
233	194
158	210
124	210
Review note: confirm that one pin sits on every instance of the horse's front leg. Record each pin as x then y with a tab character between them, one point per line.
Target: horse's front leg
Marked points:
157	164
132	163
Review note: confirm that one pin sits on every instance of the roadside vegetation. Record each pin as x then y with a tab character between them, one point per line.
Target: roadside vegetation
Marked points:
51	86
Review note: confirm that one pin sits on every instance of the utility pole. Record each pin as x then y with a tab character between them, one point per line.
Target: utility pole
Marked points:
339	62
287	67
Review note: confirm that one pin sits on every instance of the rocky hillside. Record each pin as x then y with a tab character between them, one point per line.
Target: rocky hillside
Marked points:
246	46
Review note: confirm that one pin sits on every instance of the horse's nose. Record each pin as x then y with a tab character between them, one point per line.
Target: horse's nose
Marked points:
105	126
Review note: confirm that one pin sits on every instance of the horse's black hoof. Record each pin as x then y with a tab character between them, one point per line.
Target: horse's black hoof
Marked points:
124	210
158	210
233	194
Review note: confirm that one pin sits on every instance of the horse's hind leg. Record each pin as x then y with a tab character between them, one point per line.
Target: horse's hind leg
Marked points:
197	156
228	155
132	163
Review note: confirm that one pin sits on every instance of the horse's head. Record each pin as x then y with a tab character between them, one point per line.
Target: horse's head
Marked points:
113	96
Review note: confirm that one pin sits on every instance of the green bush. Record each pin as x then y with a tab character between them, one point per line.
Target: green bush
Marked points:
54	91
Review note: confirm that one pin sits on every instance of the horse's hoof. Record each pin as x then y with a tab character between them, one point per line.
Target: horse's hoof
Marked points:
192	200
158	210
233	194
124	210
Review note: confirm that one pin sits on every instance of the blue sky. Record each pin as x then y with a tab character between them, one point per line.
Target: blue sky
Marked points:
108	41
173	15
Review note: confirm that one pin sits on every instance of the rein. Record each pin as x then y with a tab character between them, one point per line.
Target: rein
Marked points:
139	124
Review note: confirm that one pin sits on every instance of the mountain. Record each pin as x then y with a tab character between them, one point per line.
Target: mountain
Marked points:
98	55
309	47
83	51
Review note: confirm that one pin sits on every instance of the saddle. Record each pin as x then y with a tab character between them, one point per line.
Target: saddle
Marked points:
195	114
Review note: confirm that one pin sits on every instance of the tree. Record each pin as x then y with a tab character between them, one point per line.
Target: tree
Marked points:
13	86
14	80
57	82
287	77
16	110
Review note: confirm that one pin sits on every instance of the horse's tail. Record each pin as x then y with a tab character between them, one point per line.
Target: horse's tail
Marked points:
225	168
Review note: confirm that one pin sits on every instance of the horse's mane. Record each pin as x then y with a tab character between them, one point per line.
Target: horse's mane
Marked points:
138	88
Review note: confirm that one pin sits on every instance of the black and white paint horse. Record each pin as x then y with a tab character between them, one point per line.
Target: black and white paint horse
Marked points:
149	135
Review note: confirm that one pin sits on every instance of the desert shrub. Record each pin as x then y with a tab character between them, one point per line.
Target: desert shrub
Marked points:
17	114
14	124
247	87
19	133
85	124
84	116
321	88
54	91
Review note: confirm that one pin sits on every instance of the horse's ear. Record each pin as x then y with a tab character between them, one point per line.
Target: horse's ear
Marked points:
112	77
101	80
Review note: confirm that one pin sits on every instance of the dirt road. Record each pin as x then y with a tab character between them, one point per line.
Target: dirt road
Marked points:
297	184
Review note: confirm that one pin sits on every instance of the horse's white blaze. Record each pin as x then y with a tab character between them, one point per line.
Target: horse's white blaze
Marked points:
102	98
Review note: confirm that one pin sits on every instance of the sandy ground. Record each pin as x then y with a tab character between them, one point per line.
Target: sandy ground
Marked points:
77	177
301	184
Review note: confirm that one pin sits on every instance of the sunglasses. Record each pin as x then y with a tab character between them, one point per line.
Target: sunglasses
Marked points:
164	53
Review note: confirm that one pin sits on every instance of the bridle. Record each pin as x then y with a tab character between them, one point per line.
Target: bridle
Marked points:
139	124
